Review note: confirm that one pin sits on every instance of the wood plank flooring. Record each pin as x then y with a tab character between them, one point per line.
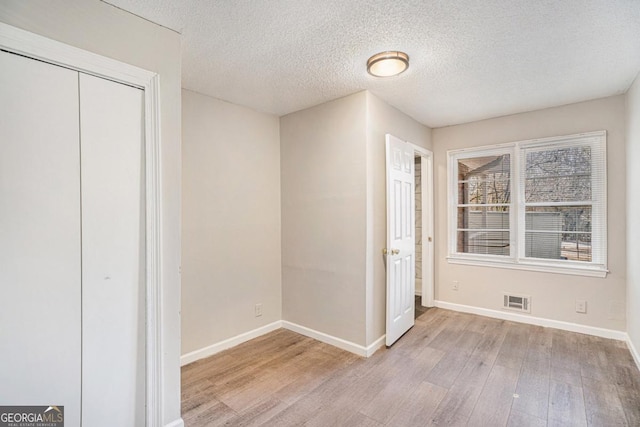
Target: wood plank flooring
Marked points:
450	369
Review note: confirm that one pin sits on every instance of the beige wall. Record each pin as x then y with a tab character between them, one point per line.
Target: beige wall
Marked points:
230	220
382	119
553	296
334	214
323	181
103	29
633	213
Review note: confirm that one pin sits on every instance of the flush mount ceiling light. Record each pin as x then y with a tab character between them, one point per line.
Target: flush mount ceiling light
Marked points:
387	64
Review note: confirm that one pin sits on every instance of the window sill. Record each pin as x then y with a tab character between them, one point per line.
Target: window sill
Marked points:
509	263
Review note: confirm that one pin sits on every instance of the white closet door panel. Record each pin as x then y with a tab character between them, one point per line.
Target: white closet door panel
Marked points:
39	235
113	300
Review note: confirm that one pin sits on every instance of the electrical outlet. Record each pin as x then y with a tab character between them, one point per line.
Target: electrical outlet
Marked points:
455	285
258	310
581	306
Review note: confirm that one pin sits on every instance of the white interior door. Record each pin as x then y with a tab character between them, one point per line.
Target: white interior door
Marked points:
401	278
39	236
113	299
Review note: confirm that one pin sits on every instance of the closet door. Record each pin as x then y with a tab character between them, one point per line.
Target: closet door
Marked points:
113	246
39	236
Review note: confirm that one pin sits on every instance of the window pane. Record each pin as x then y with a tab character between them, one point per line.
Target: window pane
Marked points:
555	218
492	217
484	180
558	175
483	242
482	191
566	246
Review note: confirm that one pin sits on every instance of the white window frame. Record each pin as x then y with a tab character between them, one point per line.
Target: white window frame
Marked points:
517	208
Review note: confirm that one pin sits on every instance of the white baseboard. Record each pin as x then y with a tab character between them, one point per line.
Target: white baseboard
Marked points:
228	343
539	321
191	357
375	345
633	350
177	423
335	341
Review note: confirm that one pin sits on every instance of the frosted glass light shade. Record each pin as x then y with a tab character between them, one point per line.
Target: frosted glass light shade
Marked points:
387	64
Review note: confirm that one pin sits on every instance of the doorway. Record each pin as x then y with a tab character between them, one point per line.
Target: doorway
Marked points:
423	178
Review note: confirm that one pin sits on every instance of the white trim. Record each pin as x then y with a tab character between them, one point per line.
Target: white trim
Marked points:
532	142
335	341
428	226
35	46
349	346
528	266
374	346
176	423
210	350
539	321
153	206
633	350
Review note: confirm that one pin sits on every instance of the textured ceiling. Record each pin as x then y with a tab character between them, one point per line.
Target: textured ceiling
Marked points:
470	59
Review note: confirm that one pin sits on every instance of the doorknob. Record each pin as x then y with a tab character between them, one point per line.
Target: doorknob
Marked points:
385	251
395	251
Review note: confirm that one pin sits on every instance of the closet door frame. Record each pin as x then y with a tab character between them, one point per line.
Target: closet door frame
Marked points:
34	46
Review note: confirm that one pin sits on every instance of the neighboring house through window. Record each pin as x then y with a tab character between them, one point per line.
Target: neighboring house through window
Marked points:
538	204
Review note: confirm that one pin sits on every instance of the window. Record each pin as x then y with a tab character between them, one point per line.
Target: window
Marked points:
538	204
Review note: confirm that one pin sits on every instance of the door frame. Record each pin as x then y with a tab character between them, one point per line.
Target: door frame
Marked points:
428	255
21	42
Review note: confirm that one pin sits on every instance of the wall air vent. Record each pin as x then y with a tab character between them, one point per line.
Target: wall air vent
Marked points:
517	302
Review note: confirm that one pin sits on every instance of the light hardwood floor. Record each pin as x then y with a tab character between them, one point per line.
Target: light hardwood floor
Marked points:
450	369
